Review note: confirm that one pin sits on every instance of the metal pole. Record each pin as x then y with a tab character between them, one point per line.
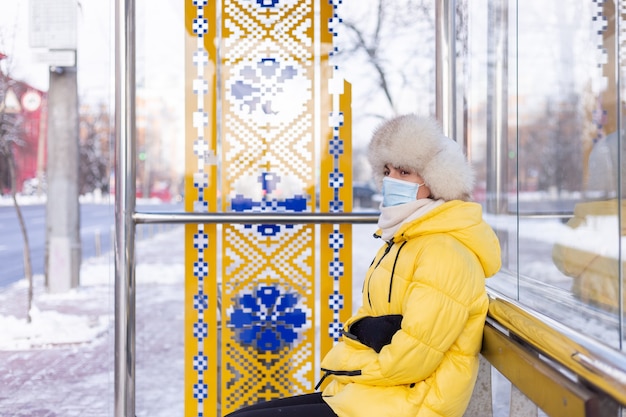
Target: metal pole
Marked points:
124	208
497	117
445	68
620	180
63	211
254	218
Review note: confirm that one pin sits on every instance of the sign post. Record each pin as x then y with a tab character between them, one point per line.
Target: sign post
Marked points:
53	28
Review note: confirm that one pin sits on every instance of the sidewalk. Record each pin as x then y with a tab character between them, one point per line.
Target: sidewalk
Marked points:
62	364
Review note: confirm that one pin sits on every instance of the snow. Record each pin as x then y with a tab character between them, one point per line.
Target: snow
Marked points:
64	358
596	234
80	322
48	329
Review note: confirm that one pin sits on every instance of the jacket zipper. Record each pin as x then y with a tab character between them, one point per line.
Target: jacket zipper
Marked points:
328	372
393	270
387	249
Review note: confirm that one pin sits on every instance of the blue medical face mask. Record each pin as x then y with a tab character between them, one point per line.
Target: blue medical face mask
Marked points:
398	191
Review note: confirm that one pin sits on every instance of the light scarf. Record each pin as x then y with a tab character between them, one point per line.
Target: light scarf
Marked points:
391	218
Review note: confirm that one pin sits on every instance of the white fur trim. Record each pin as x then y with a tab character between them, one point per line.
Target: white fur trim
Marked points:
418	143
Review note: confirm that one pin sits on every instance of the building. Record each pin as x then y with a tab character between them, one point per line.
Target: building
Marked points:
28	104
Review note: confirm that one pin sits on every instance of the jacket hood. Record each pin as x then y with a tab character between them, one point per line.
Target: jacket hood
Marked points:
463	221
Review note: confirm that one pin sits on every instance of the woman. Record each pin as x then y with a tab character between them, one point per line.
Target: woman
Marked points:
412	348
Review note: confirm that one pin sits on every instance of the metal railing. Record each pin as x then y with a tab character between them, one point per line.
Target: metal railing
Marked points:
550	366
255	218
124	391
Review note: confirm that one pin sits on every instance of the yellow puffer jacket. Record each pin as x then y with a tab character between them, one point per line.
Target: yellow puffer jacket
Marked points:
433	273
595	272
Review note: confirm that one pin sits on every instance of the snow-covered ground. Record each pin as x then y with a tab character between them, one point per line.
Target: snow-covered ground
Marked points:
81	321
81	324
61	364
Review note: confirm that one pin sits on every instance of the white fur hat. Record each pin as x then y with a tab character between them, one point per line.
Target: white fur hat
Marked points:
418	143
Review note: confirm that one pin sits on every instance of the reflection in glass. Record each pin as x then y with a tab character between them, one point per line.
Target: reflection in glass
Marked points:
557	211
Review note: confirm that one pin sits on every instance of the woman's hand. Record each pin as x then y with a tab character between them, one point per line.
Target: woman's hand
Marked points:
376	332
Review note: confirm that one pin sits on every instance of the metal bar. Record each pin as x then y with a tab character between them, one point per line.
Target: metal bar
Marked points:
124	208
445	66
255	218
571	349
543	215
536	379
497	109
621	280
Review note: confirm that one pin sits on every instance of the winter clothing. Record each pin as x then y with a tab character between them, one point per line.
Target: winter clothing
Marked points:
375	332
412	348
432	273
309	405
417	143
604	168
588	251
396	192
391	218
595	272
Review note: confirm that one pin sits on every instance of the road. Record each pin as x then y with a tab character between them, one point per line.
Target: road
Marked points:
97	223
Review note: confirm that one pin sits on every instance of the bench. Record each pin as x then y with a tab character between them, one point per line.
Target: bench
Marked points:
554	372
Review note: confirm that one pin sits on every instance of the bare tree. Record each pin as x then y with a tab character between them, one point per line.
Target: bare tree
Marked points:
555	133
10	137
95	149
386	50
390	45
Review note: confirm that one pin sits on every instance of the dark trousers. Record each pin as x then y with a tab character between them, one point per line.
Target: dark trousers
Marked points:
308	405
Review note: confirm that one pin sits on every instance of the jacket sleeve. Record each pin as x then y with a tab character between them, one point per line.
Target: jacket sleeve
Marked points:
435	309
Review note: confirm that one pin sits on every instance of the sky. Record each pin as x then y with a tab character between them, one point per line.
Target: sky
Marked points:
159	69
14	42
158	38
160	55
94	45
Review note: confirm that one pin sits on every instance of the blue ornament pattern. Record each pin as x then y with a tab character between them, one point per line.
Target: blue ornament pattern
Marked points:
269	319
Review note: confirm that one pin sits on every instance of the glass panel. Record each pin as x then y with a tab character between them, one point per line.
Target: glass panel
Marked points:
160	106
550	184
489	30
160	248
616	144
388	55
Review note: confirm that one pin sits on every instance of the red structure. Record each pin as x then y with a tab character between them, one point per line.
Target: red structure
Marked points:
29	104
